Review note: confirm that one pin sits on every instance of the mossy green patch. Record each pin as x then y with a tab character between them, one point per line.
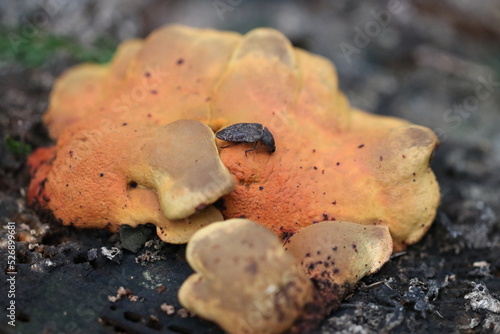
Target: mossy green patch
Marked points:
34	51
17	147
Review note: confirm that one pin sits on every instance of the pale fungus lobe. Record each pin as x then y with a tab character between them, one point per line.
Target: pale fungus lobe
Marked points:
181	163
244	280
326	160
336	255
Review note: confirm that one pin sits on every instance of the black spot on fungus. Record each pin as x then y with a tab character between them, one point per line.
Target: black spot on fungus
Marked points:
381	158
338	163
336	271
314	150
334	248
132	184
361	146
315	168
124	124
355	247
180	61
252	268
318	252
147	74
71	154
308	254
334	202
242	216
101	175
325	216
261	188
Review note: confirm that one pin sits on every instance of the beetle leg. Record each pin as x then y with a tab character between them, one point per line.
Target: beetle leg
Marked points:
252	149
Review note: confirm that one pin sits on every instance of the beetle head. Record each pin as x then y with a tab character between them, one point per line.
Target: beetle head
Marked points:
268	140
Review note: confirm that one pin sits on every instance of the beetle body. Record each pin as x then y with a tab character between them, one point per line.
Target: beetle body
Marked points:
248	133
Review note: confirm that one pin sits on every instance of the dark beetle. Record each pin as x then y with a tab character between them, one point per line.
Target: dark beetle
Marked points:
248	133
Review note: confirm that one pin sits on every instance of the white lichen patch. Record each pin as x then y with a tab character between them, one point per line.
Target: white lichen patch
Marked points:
480	298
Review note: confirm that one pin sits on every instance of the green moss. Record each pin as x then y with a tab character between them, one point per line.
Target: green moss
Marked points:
34	51
18	148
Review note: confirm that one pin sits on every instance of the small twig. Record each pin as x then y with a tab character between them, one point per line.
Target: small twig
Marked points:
398	254
374	284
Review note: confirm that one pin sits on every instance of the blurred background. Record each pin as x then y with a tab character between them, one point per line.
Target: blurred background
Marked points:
435	63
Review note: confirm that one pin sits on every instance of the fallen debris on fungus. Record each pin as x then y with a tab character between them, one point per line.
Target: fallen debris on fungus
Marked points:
244	280
131	174
332	162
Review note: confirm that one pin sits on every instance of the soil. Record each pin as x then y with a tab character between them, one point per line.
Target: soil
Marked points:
433	63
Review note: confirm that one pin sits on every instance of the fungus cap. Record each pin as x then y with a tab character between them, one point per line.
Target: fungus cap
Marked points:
244	279
181	163
340	252
336	255
334	162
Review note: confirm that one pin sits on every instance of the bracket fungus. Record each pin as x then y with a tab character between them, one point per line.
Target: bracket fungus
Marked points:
247	282
244	280
333	162
128	174
136	144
